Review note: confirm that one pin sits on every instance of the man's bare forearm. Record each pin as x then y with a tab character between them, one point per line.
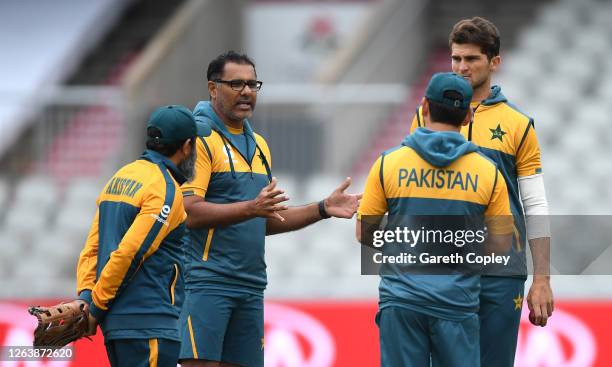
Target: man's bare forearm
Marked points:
296	217
540	253
205	214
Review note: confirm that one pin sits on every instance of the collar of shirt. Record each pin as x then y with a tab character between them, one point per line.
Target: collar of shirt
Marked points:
158	158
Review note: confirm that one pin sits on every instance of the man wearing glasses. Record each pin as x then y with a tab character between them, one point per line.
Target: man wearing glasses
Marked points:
231	205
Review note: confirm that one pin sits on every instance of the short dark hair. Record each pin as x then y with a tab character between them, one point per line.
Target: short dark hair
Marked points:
477	31
446	114
215	68
165	149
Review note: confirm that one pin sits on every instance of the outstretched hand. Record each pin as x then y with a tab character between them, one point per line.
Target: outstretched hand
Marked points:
267	203
340	204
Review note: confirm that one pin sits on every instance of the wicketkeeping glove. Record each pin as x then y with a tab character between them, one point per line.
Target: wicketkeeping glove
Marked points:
61	324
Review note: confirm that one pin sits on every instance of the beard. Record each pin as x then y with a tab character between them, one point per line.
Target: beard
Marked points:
187	166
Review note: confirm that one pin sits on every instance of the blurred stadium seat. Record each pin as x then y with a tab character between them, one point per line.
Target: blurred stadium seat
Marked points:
37	193
319	186
556	71
4	195
82	191
26	221
11	248
289	184
568	98
75	220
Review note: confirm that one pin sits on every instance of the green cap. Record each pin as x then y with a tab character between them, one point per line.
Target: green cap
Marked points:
442	83
176	123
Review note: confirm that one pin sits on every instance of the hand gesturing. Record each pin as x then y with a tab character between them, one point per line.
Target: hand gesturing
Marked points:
340	204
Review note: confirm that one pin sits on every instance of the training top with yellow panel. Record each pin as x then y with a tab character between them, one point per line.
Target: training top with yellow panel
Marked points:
508	137
232	166
435	174
131	269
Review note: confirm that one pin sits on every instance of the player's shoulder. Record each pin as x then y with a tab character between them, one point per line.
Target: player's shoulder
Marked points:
396	154
515	115
213	137
484	159
482	163
262	144
518	112
209	144
154	169
142	169
505	109
155	174
260	140
161	183
393	151
132	180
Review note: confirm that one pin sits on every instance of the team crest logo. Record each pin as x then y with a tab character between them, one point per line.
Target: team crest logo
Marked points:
518	302
497	133
231	154
162	217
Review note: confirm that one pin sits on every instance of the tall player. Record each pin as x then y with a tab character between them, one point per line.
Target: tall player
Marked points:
427	317
507	136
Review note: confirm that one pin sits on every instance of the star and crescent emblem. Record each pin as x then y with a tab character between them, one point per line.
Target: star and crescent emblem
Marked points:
518	302
498	133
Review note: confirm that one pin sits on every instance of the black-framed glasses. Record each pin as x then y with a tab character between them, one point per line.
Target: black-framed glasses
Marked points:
239	84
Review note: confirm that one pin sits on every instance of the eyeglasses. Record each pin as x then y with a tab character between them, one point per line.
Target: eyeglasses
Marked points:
239	84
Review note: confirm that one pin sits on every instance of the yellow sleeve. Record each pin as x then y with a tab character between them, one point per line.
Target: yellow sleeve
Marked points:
203	169
528	161
373	201
88	261
154	221
417	120
498	215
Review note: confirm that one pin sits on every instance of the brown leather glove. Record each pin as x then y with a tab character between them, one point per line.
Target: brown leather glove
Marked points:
62	324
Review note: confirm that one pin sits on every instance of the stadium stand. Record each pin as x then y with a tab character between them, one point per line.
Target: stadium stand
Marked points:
556	71
555	74
93	133
51	206
58	35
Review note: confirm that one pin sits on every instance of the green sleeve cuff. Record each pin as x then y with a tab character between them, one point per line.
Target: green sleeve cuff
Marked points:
97	312
85	295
